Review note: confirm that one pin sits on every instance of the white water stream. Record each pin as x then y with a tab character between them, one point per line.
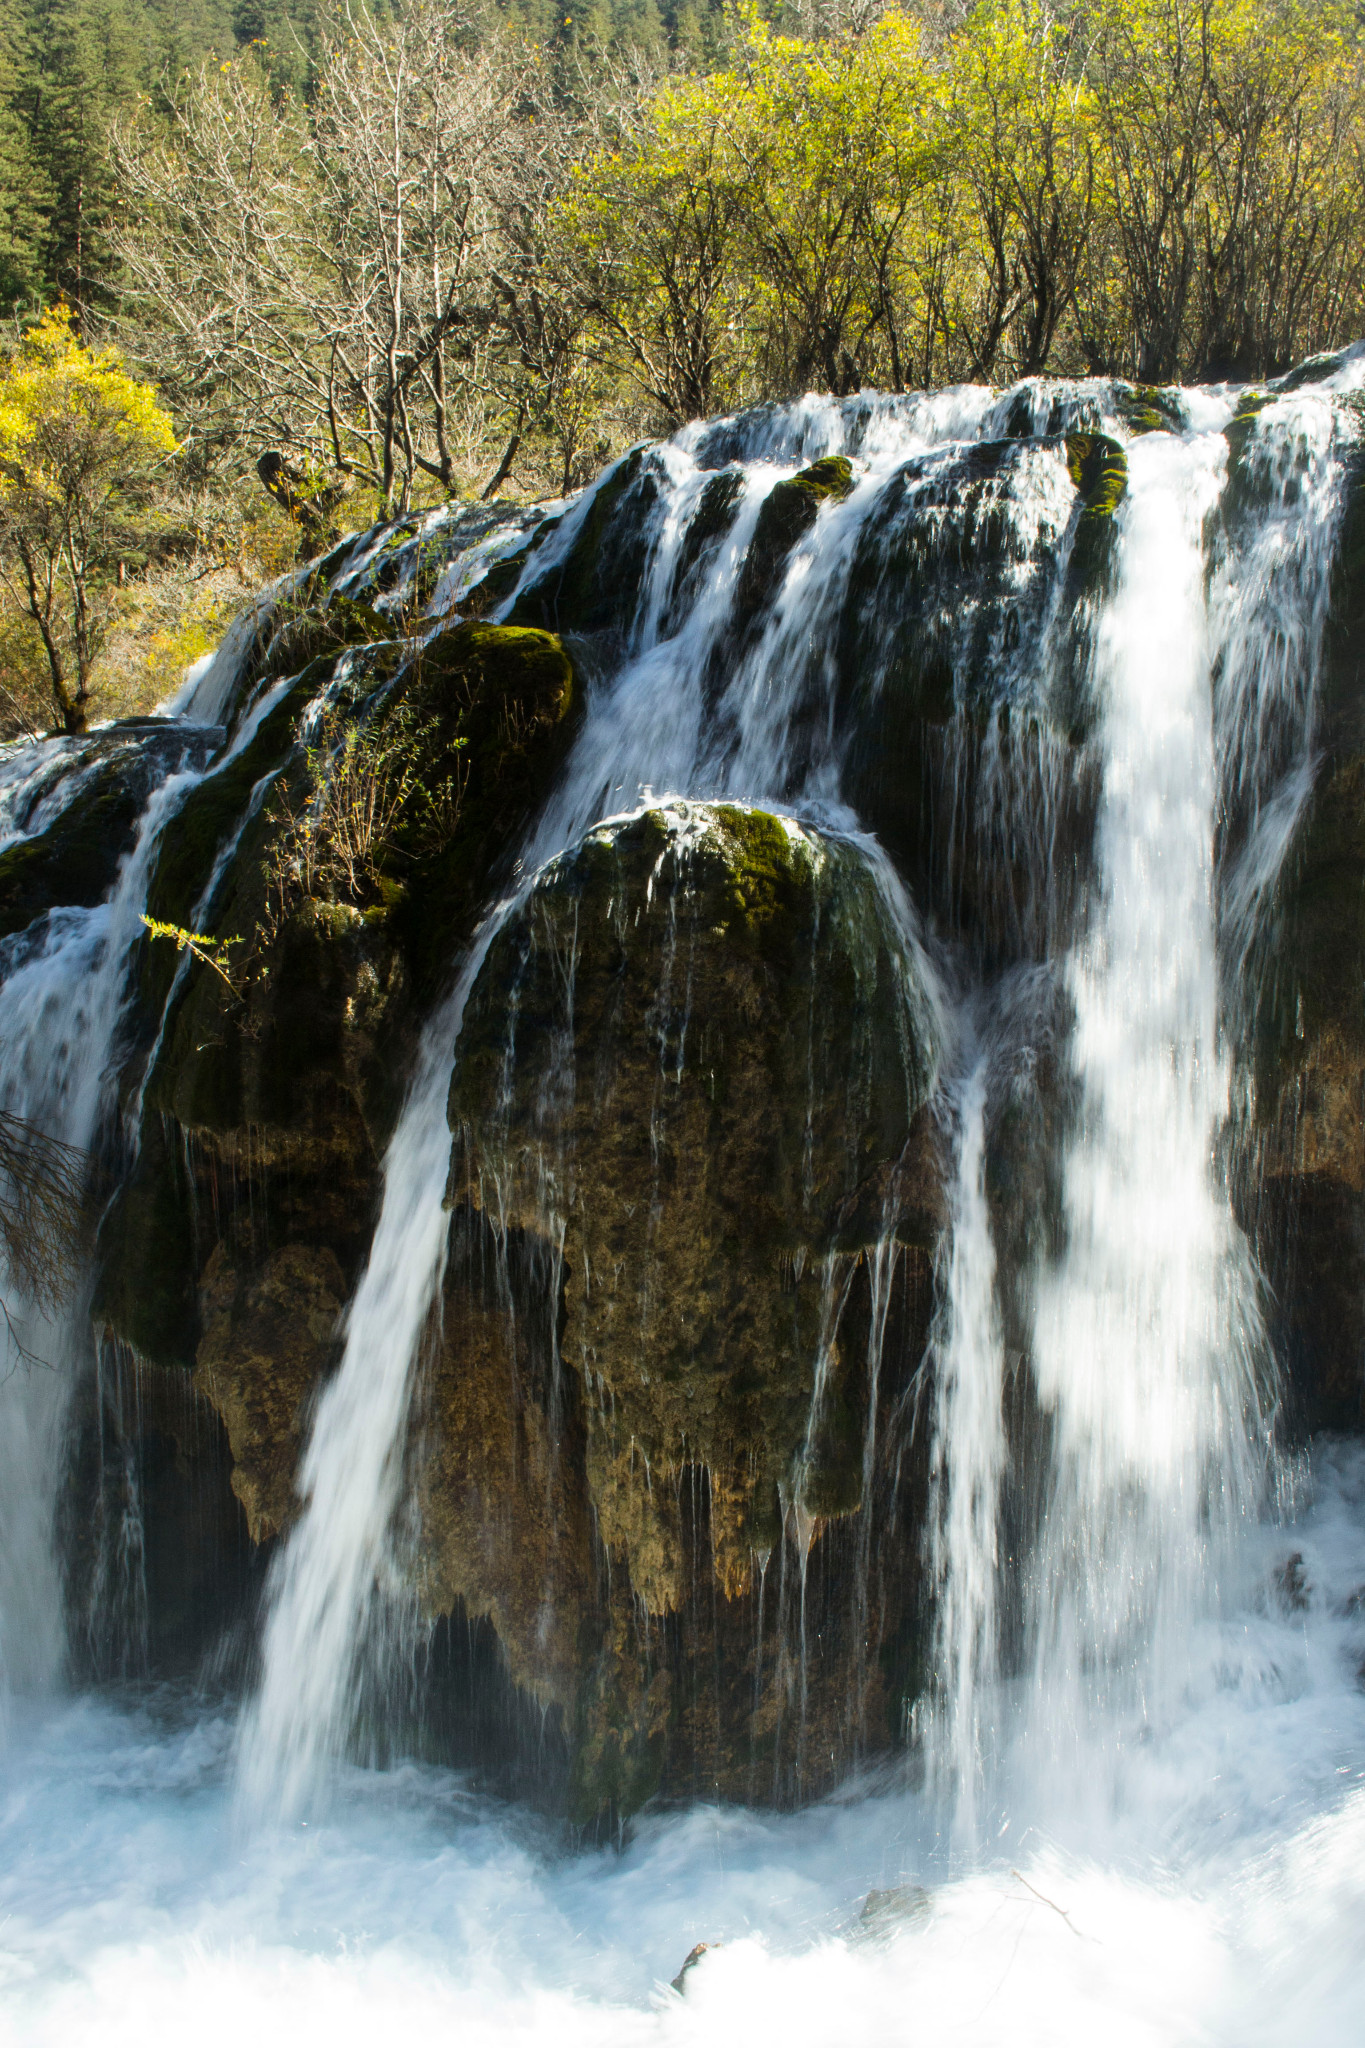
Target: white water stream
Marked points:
1163	1843
1146	1334
59	1011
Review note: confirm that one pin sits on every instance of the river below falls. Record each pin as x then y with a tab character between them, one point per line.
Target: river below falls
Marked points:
1206	1884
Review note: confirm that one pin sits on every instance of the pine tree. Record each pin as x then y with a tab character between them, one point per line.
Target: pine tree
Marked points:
24	196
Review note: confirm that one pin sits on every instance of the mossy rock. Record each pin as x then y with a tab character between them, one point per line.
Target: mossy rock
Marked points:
1238	434
595	588
322	627
1313	370
716	953
712	520
1148	409
505	698
1098	467
74	862
789	511
940	651
497	585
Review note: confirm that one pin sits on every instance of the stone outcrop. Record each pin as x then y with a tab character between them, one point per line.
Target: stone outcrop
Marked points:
693	1075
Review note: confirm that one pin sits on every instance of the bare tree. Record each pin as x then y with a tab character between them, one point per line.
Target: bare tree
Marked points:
44	1215
334	277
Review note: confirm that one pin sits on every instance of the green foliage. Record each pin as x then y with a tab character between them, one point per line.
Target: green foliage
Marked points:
377	794
80	444
213	953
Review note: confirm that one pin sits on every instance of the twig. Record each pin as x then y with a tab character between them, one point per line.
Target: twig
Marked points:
1045	1901
200	945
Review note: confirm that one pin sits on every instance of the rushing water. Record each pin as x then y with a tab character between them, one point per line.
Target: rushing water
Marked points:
1145	1816
1146	1331
1220	1902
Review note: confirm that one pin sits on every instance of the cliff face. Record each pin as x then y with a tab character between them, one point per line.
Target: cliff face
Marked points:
667	1462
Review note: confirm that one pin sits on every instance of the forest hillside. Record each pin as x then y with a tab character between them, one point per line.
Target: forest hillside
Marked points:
277	268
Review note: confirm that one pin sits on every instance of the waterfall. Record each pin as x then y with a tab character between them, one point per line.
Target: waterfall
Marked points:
969	1462
648	729
1147	1337
1098	789
352	1467
1146	1347
60	1009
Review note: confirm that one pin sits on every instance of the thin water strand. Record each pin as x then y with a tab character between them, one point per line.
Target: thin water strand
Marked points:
968	1463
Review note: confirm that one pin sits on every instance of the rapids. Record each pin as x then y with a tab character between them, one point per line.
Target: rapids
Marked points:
1130	1798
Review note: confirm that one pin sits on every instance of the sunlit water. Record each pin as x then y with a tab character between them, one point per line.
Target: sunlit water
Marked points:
1221	1901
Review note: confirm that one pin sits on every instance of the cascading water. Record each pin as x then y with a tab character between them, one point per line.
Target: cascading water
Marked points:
60	1007
1147	1334
969	1452
646	730
1118	1666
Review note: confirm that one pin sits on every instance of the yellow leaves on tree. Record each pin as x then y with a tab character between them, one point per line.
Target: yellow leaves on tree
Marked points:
81	446
1146	188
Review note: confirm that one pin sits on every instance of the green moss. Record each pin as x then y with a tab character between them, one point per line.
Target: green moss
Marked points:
1240	427
505	698
1147	409
789	511
723	1085
1098	467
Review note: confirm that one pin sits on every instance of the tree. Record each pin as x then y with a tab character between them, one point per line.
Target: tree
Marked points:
81	446
24	196
651	232
1228	233
1023	137
44	1216
334	273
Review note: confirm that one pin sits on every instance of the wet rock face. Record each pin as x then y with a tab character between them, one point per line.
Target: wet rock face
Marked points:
696	1181
962	691
667	1485
98	788
1305	1200
238	1235
694	1063
267	1342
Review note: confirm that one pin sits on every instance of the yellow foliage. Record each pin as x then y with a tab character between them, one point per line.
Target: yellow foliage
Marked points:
57	398
80	441
1154	187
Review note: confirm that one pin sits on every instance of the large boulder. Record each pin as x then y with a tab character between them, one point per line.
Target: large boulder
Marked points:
693	1077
